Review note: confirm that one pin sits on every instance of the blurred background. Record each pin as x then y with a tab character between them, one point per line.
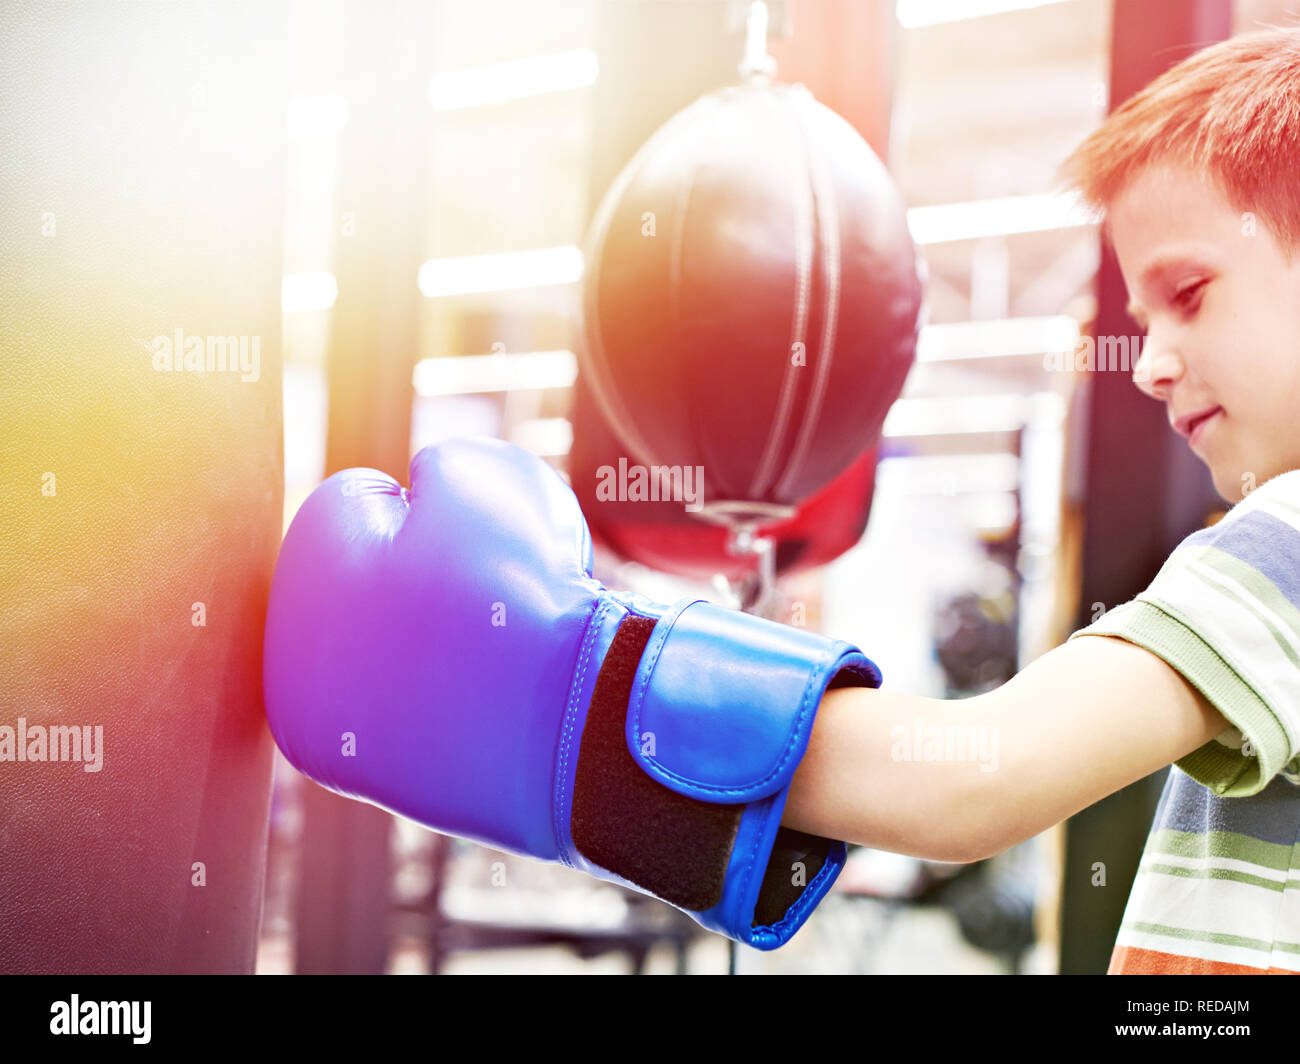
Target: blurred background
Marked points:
445	159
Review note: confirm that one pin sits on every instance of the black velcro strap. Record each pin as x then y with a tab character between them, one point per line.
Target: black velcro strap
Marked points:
672	845
796	859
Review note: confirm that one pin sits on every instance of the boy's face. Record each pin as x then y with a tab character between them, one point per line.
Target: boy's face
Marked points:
1222	312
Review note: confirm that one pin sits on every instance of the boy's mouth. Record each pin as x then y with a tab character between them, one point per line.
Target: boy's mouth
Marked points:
1188	424
1193	425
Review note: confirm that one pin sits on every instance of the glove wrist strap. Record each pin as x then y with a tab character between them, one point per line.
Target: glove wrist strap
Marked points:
696	724
670	844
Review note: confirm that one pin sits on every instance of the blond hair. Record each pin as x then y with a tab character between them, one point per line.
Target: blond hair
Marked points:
1230	113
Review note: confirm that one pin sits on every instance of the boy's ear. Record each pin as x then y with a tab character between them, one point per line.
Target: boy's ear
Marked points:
1106	237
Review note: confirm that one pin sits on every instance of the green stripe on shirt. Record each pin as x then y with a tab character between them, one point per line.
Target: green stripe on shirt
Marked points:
1225	771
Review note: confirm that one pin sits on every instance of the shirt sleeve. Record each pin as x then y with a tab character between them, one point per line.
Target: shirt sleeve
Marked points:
1224	610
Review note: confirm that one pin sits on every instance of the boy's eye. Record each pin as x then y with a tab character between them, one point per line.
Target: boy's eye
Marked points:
1185	297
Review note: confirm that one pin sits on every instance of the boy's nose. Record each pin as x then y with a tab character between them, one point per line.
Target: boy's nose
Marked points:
1157	370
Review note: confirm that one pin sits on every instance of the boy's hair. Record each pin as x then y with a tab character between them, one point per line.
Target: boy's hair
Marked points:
1230	112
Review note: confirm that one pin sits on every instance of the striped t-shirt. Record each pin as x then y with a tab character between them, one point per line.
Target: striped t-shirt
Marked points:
1218	887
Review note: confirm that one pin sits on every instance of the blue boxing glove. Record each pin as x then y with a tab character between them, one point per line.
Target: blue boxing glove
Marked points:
445	653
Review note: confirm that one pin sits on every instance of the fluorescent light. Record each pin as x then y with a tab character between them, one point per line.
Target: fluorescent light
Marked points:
549	437
307	291
948	474
317	115
914	13
514	80
997	338
469	374
956	416
498	273
1003	216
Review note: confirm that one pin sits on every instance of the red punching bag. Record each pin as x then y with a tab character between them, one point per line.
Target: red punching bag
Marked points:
751	298
664	535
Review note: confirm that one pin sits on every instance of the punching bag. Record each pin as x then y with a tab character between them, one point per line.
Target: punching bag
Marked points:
664	535
752	296
141	481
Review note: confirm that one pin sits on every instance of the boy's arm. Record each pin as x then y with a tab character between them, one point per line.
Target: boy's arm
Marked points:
1079	723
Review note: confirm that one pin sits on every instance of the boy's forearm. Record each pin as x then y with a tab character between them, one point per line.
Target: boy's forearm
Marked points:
865	777
962	779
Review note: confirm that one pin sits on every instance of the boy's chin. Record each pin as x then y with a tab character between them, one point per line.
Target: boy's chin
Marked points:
1234	483
1229	487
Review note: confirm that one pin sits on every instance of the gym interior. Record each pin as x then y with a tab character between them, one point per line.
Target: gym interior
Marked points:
415	221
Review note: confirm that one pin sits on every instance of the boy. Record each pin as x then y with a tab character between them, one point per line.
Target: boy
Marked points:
1199	176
